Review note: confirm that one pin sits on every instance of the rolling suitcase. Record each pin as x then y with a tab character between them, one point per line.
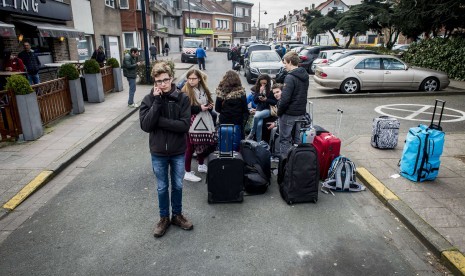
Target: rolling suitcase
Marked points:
328	147
225	176
422	151
385	132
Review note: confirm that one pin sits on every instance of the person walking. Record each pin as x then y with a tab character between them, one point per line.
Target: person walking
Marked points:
32	63
130	64
263	99
165	113
153	52
99	56
231	103
293	100
166	48
235	56
201	138
201	55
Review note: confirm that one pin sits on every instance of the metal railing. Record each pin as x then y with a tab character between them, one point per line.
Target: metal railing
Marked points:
10	125
107	79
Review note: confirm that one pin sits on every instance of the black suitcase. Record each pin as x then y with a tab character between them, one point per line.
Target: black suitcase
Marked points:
225	178
258	166
298	175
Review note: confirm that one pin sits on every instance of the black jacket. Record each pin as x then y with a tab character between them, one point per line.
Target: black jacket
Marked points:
294	96
270	100
167	119
232	106
31	61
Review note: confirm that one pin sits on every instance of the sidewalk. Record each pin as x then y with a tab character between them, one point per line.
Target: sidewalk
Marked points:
25	166
434	211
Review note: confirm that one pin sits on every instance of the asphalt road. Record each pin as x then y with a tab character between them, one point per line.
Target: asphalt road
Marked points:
100	222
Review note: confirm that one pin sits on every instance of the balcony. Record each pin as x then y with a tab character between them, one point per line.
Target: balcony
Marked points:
160	28
164	8
199	31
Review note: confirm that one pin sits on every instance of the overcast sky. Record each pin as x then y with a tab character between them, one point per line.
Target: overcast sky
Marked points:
278	8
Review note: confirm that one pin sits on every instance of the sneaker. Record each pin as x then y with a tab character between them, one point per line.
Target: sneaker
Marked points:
202	168
161	227
133	105
181	221
190	176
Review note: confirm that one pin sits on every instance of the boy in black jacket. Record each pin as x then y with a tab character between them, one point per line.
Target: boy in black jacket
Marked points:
165	113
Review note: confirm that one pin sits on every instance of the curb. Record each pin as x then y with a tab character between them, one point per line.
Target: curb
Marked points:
443	249
61	163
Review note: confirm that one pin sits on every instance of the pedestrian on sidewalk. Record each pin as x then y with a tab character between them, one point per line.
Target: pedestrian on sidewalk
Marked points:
99	56
165	113
32	63
201	138
153	52
130	64
167	48
201	55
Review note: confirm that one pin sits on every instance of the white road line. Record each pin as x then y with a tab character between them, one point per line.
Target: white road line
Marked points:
427	113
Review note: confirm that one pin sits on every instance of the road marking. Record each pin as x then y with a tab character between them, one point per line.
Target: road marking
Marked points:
31	187
416	110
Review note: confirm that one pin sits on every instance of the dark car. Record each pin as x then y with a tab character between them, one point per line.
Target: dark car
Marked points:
223	47
262	62
309	54
347	53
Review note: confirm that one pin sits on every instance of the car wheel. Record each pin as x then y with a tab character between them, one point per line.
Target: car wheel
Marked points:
249	79
350	86
430	84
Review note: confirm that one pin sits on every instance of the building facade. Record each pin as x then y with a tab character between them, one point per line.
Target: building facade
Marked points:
166	24
242	19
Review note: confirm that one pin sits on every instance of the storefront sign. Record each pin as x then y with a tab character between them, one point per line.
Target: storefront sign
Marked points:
50	9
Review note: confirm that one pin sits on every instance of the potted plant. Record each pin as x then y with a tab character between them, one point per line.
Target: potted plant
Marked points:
94	84
140	70
117	76
28	107
72	74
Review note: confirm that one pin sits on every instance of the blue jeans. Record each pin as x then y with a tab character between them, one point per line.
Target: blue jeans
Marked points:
162	165
286	123
132	89
201	62
33	79
258	123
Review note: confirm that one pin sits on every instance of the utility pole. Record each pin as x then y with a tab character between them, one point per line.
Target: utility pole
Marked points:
146	45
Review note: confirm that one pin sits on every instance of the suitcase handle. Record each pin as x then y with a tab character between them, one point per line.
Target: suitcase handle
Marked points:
338	129
310	110
438	126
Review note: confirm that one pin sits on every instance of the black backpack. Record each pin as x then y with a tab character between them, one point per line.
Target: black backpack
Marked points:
258	166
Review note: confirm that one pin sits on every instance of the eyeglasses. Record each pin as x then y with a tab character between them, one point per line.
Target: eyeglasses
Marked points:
165	81
192	79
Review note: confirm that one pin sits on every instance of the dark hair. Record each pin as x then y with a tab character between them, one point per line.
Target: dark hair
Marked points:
230	81
277	85
268	83
7	54
134	50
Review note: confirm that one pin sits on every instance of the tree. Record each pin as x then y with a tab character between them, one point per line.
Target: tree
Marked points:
317	24
353	23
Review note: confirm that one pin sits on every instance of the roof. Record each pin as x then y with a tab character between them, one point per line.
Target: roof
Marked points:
321	6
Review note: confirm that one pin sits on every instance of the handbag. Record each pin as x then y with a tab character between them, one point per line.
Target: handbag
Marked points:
202	129
274	110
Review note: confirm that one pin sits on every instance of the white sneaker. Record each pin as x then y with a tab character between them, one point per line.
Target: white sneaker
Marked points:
133	105
202	168
190	176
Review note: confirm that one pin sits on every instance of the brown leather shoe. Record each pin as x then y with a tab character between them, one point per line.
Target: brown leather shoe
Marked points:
161	227
181	221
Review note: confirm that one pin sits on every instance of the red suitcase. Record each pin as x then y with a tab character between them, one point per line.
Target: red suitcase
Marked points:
328	147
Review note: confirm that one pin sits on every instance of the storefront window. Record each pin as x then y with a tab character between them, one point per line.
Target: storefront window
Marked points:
85	48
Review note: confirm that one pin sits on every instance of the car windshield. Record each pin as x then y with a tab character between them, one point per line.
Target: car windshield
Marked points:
342	61
336	56
303	52
191	44
265	57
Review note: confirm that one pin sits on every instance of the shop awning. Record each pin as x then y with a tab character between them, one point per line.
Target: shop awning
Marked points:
7	30
53	30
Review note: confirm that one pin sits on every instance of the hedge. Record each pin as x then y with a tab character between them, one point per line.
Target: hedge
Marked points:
141	70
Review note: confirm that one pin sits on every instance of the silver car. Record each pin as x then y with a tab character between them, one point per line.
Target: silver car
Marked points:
323	58
375	72
262	62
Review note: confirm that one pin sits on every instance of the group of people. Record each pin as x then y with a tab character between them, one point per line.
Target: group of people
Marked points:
180	122
154	51
26	61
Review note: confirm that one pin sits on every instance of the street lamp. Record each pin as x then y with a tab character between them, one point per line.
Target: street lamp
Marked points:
259	12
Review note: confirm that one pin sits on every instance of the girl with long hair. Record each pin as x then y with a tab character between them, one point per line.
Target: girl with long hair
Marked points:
201	137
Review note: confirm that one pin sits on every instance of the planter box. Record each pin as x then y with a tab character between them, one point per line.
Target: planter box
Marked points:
77	98
94	87
29	115
118	80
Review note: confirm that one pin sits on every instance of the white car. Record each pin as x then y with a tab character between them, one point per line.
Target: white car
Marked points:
323	58
377	72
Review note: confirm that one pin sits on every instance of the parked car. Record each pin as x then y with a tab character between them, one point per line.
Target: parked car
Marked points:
323	58
309	54
348	52
378	72
223	47
401	47
262	62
